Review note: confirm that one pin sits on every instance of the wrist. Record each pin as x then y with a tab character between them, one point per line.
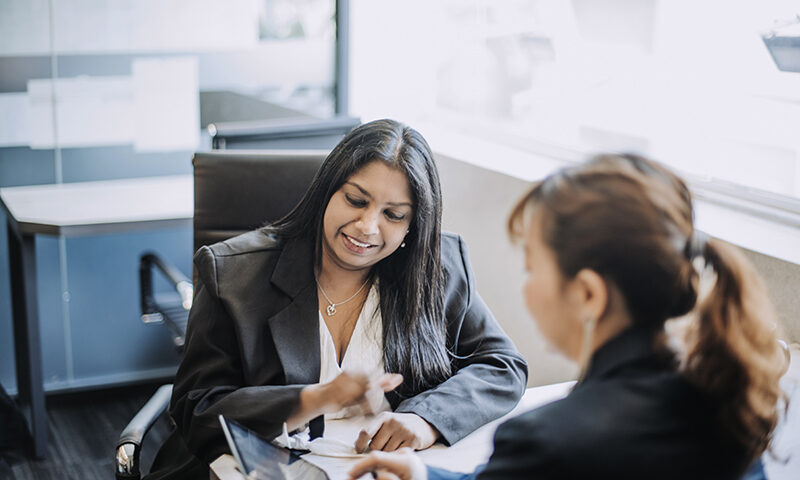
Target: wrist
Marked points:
428	433
434	433
312	400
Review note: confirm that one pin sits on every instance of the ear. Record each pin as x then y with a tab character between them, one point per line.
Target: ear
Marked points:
590	291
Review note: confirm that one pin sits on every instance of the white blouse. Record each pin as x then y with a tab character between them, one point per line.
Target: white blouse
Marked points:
364	353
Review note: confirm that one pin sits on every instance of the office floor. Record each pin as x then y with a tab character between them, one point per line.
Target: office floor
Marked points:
83	430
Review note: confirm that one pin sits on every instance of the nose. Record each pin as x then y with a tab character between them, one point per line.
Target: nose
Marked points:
368	222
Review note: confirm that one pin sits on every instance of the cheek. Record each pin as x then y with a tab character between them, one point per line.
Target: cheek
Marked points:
393	233
529	291
538	302
327	222
332	218
397	234
547	313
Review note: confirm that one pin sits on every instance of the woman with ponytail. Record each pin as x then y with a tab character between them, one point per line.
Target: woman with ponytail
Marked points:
672	331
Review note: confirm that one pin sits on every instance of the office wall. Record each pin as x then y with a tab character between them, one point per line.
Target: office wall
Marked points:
783	281
476	203
88	286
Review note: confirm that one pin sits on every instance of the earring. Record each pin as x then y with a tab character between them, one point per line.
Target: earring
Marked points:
403	245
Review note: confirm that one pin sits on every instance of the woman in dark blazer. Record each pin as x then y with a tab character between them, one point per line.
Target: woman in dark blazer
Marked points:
368	224
611	254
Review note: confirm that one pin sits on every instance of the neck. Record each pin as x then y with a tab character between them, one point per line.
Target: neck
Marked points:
335	278
615	319
608	329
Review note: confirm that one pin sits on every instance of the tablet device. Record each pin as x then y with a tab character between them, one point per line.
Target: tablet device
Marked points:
260	459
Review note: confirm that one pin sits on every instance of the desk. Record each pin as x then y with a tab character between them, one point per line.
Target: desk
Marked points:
464	456
74	209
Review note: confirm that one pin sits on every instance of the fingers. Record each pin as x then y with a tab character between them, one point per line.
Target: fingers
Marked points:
386	465
393	444
385	475
382	437
386	432
389	381
362	442
354	389
366	434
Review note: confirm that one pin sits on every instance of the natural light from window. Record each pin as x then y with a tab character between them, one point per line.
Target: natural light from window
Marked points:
690	83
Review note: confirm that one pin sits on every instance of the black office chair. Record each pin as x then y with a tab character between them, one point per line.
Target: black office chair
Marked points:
282	133
234	192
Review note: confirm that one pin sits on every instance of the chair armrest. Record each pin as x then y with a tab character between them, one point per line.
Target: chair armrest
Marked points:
130	440
179	281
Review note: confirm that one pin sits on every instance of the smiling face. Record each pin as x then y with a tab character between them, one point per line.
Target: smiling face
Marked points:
367	219
550	297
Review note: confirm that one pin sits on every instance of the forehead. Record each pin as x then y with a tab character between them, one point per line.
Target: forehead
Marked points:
382	180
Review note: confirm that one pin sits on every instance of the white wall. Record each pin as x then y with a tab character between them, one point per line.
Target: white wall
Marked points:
476	204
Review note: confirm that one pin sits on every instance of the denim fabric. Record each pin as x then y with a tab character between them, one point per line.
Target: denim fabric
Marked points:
442	474
756	471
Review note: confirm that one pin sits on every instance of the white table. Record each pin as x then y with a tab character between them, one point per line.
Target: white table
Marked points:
464	456
74	209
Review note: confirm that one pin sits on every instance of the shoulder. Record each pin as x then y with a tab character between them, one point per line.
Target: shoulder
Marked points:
650	424
529	444
592	414
459	279
238	255
455	259
255	241
546	441
549	424
453	247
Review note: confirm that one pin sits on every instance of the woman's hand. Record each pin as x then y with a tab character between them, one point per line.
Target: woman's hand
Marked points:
348	389
403	465
390	431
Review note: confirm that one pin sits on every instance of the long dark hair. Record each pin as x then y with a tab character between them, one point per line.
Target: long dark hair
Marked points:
631	220
410	280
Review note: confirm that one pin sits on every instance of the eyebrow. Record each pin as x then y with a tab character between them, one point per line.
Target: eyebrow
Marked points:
366	193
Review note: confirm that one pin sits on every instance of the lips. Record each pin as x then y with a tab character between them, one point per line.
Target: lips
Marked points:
356	246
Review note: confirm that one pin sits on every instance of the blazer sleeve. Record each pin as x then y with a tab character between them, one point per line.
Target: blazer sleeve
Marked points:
489	373
209	380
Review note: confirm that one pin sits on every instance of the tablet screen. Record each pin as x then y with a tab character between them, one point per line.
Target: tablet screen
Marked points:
262	460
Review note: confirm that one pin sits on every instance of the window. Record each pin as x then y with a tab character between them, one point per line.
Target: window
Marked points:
689	83
150	74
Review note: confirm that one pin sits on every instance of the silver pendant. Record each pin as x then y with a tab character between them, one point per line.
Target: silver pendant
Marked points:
331	309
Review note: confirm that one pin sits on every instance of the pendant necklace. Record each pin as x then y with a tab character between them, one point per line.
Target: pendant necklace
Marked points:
331	308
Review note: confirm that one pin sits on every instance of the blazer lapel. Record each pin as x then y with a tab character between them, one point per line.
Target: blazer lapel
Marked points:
295	329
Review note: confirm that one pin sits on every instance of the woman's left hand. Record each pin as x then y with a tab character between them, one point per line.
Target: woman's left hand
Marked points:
390	431
403	465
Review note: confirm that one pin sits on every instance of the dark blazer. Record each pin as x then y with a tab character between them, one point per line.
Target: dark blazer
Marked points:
253	343
633	416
